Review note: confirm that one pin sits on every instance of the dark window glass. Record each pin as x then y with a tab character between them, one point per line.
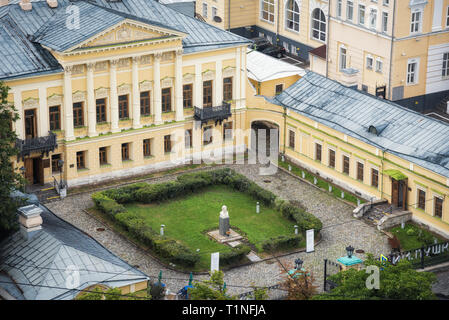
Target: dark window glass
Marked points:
188	138
125	151
207	93
80	161
359	171
123	110
227	89
166	100
101	110
55	118
167	143
331	158
54	163
78	114
318	152
291	139
147	147
438	207
421	199
346	164
145	105
374	178
102	153
187	95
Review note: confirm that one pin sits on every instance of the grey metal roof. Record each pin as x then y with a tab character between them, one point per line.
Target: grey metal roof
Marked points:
38	266
415	137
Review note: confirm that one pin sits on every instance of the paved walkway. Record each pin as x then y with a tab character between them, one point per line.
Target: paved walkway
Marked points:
340	229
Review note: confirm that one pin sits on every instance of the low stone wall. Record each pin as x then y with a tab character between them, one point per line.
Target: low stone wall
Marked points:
365	207
394	219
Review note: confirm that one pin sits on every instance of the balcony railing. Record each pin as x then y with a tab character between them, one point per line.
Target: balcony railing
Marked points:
218	113
40	144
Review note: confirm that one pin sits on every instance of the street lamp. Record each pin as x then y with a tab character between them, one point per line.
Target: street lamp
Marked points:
350	251
298	264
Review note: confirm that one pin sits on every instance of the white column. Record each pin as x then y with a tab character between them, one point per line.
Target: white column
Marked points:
237	78
198	90
157	89
243	80
136	93
218	83
113	96
68	104
43	123
19	124
178	86
91	103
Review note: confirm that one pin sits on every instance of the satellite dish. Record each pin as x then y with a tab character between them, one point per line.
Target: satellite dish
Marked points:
217	19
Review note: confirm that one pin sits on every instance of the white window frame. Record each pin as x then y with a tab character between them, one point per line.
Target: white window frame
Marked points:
447	17
340	57
293	14
369	66
350	10
270	4
384	22
415	72
320	22
360	15
373	13
445	66
339	8
379	65
386	2
414	23
205	9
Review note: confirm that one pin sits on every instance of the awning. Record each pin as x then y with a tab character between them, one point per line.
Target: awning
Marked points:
395	174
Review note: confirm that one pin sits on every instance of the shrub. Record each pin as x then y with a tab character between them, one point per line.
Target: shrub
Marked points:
106	204
300	216
235	255
411	232
282	242
267	197
176	252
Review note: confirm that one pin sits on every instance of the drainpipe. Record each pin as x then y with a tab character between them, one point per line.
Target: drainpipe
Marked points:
327	37
391	51
285	125
277	24
229	15
382	175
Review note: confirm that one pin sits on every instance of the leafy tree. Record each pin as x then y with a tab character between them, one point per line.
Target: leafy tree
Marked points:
260	293
398	282
299	284
107	294
212	289
9	179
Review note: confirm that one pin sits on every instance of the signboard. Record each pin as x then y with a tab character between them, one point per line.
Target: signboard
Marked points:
310	241
214	261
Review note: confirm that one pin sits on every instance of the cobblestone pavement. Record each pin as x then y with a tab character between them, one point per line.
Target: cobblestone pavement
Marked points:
441	287
340	229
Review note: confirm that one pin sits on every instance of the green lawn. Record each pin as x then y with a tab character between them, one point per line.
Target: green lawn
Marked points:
187	218
414	237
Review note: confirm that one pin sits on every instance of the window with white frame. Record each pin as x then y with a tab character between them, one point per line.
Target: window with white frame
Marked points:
369	62
445	70
412	72
384	22
373	18
379	65
447	16
349	10
205	10
292	15
318	25
415	24
342	57
386	2
214	12
361	14
339	8
267	10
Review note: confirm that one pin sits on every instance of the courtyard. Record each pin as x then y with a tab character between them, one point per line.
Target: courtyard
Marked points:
340	229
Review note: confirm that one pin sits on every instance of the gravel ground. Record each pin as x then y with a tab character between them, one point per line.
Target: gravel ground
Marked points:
340	229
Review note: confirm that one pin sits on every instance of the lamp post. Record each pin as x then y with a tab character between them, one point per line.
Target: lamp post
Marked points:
298	264
60	165
257	207
350	251
162	229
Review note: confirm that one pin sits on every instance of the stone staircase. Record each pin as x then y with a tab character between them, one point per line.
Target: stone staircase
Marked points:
45	193
378	212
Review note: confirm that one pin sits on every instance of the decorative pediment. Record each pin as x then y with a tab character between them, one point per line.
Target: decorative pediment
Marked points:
124	88
54	100
208	75
147	59
123	63
166	82
228	71
79	96
30	103
188	78
146	85
167	56
101	93
78	69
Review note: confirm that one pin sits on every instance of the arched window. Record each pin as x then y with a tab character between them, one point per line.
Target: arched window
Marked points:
318	25
292	15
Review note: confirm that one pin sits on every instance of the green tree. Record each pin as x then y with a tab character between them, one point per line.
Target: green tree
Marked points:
299	284
107	294
212	289
9	179
260	293
398	282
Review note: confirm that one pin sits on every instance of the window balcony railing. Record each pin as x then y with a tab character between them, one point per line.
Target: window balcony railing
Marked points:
218	113
40	144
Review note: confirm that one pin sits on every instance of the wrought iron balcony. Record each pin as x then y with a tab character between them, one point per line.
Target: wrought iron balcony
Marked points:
40	144
218	113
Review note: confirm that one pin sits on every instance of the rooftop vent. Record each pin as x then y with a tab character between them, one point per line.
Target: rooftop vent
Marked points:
30	220
377	130
25	5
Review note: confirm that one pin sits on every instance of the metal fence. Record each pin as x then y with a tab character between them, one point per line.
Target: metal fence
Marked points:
330	268
424	256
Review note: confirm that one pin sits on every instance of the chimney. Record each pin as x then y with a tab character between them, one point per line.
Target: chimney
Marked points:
52	3
25	5
4	3
447	107
30	220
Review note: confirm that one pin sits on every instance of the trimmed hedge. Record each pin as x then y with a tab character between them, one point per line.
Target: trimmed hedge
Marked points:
235	255
281	243
106	204
300	216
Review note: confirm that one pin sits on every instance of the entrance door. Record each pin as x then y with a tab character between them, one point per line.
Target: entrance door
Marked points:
30	124
34	170
399	193
29	174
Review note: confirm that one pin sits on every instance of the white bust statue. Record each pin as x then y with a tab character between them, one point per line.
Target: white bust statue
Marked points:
224	212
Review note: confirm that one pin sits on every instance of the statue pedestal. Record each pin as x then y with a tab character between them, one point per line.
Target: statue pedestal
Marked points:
224	226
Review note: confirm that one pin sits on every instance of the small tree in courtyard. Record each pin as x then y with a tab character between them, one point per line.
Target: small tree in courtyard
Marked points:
299	284
212	289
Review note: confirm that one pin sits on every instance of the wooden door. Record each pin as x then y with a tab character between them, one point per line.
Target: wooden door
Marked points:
394	192
29	175
404	193
40	172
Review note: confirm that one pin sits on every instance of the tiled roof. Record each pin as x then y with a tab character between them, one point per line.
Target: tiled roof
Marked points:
38	266
320	51
412	136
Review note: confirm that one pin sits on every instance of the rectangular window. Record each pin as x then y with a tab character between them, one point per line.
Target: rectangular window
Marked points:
188	138
227	89
421	199
205	10
55	118
342	58
411	73
145	104
331	158
207	135
374	178
379	65
373	18
361	14
102	154
125	151
360	171
318	152
187	93
415	25
167	143
166	100
279	88
80	160
214	12
78	114
101	110
438	207
447	16
349	10
291	139
123	107
227	131
445	70
369	63
339	8
267	10
386	2
346	165
55	163
207	93
147	147
384	22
